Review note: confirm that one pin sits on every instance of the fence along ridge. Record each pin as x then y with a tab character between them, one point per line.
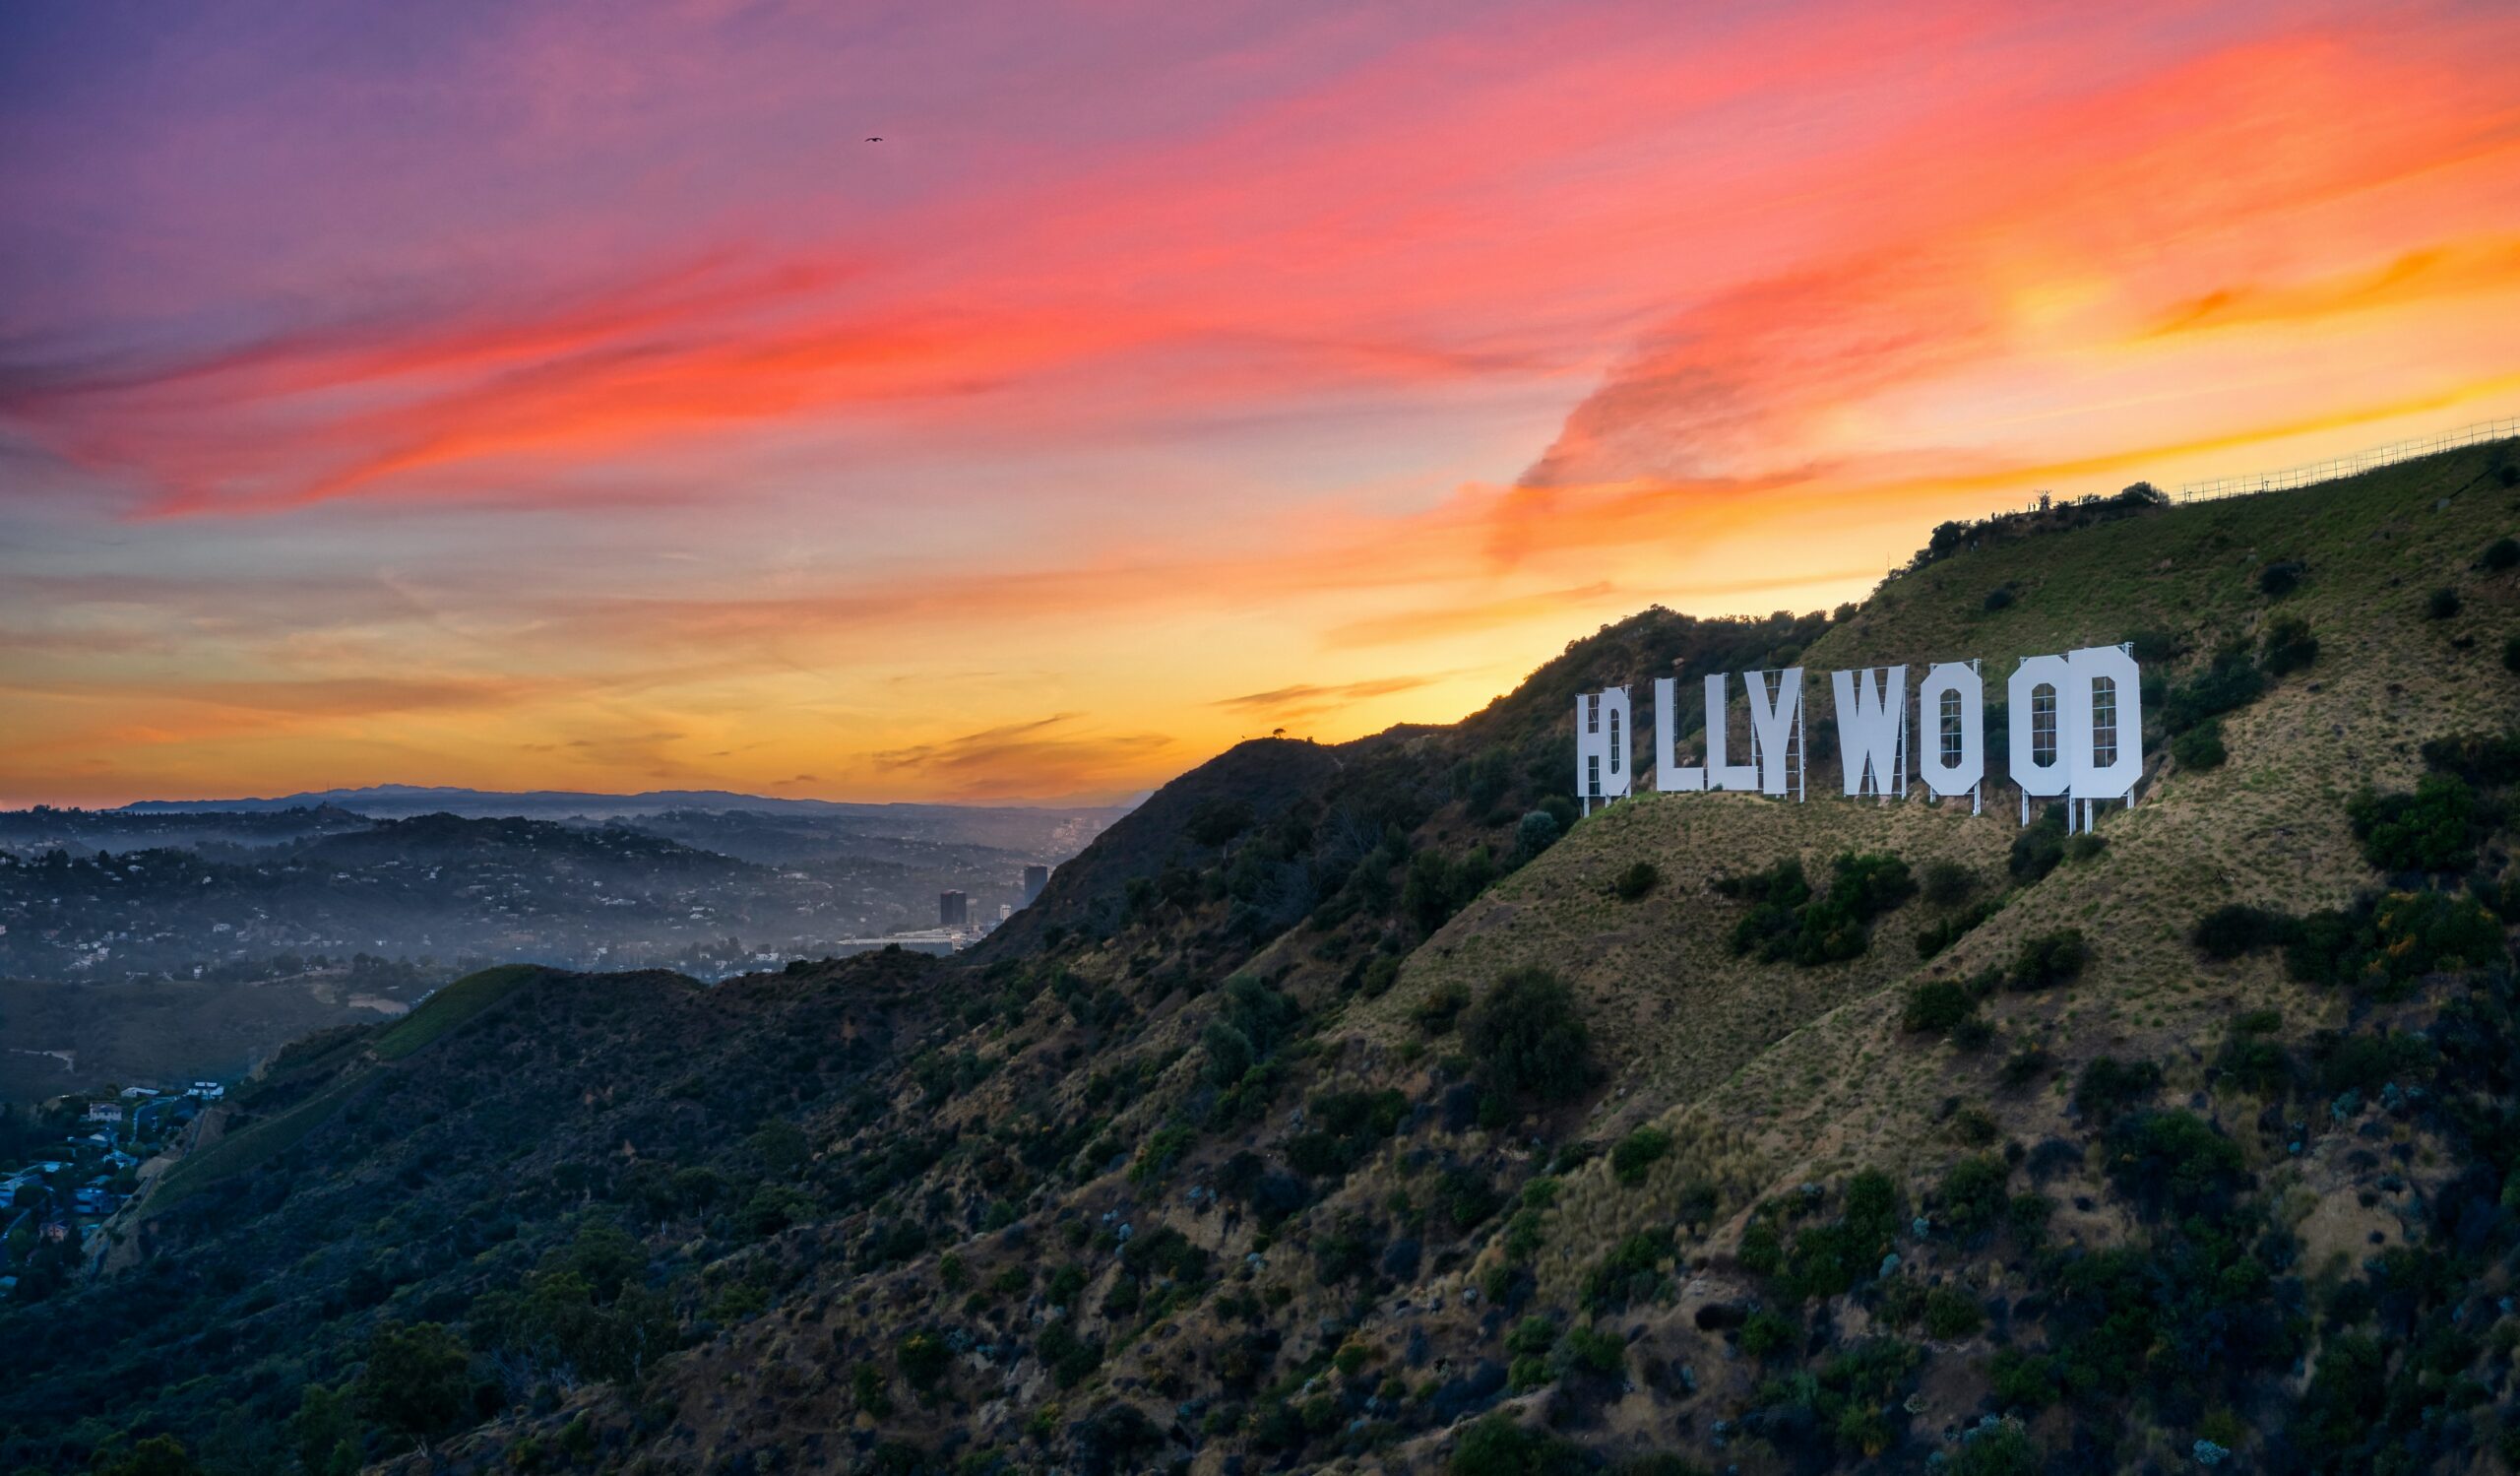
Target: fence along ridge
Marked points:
2351	466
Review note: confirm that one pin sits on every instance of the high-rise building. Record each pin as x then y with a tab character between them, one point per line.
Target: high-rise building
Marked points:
1034	879
953	910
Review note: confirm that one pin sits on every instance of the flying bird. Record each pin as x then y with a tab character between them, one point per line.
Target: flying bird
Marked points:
875	138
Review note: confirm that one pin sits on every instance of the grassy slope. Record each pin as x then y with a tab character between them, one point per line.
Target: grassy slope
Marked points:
1771	1075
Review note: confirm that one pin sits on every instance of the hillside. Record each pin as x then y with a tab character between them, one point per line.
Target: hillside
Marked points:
1360	1106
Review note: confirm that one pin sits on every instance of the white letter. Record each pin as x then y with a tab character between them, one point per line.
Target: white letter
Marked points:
1869	727
1774	721
2056	775
2107	763
1967	747
1719	774
1670	776
1601	745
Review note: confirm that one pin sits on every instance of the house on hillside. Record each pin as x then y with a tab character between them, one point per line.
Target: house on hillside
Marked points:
138	1093
208	1091
105	1111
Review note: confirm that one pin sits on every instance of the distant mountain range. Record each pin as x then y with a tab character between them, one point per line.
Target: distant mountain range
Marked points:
398	801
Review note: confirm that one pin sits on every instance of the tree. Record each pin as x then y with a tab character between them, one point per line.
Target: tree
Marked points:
157	1455
417	1380
326	1431
1528	1037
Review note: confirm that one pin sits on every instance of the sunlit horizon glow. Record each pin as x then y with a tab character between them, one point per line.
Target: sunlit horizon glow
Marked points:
566	395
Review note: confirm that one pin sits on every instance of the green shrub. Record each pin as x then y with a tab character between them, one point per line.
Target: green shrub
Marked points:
923	1359
2173	1162
1342	1128
2108	1086
1442	1006
2288	646
1536	832
2511	654
1528	1037
2367	1062
2281	578
2153	646
1934	937
2039	847
1945	882
2200	747
2433	829
1768	1333
1936	1004
1789	921
2000	1451
1636	1155
1636	880
2500	554
1950	1315
2230	681
2252	1061
2441	603
1971	1197
2228	931
2019	1379
2049	959
2382	945
2028	1064
1498	1446
1587	1350
1630	1271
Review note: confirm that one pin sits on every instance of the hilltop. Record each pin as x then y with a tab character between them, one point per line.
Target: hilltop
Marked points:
1364	1107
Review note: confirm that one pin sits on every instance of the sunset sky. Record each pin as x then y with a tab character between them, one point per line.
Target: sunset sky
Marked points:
567	395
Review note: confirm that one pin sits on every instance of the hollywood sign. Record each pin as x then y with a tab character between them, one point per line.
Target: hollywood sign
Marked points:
2076	732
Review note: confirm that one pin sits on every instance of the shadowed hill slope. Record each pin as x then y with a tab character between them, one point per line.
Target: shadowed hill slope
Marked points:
1364	1108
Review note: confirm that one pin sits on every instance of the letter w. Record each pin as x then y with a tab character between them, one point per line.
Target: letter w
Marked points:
1870	722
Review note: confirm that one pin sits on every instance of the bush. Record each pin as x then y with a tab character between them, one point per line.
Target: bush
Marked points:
1498	1446
2000	1451
2441	603
2041	846
1787	920
2511	654
1951	1315
2049	959
2230	681
2000	597
2288	646
1636	1155
2231	930
2281	578
1768	1333
1970	1196
2174	1162
2019	1379
2500	554
1442	1006
1933	937
1536	832
2200	747
2027	1065
1213	823
1636	880
1528	1037
1629	1272
1937	1004
2109	1087
1946	883
2432	829
2153	646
